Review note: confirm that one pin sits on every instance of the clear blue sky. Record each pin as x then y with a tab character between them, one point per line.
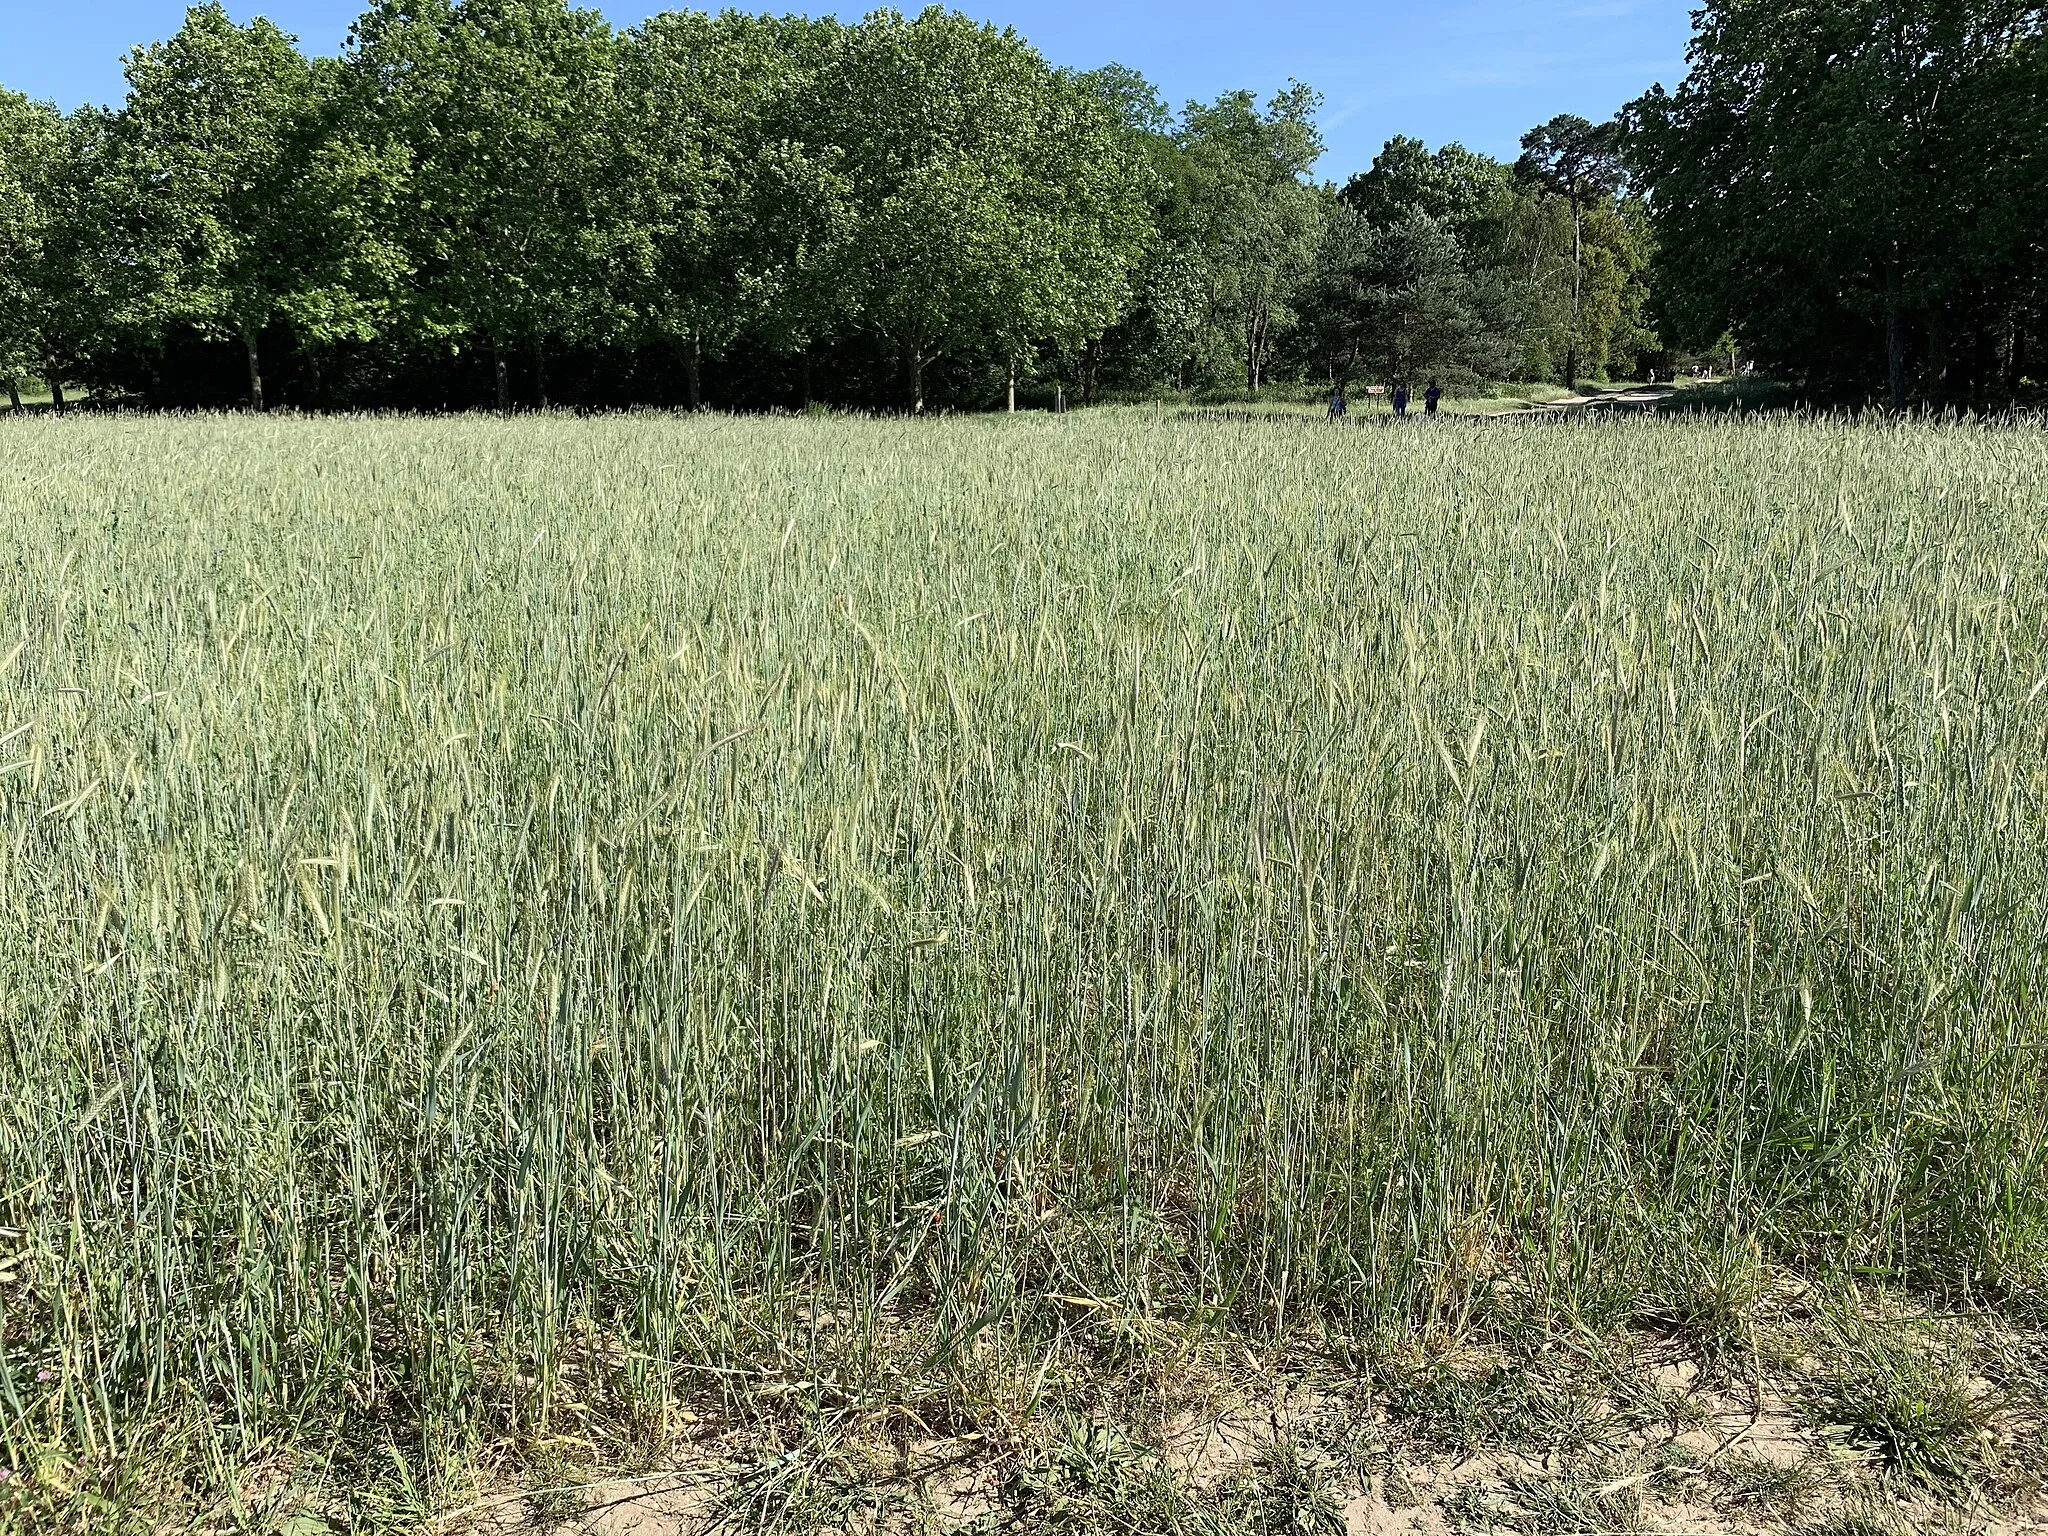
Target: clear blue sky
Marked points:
1480	71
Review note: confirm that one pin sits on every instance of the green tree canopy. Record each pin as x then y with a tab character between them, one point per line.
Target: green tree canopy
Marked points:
988	198
1257	219
32	144
1854	186
229	201
1395	302
1581	163
1453	186
720	216
476	185
498	111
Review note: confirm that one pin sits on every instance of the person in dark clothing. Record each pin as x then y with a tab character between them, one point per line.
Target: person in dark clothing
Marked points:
1430	397
1400	399
1339	407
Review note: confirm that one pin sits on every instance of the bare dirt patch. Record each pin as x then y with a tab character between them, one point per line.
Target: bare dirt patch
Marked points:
1642	1438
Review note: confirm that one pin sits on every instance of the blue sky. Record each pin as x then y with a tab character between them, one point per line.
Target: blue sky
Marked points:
1480	71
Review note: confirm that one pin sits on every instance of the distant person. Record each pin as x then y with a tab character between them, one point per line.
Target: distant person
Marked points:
1400	399
1430	397
1339	407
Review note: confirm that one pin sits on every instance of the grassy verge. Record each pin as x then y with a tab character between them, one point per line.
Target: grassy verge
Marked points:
775	951
36	396
1314	399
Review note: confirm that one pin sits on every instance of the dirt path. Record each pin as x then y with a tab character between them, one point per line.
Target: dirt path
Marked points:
1633	397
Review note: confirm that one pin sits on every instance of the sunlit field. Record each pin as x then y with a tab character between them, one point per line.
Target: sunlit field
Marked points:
584	928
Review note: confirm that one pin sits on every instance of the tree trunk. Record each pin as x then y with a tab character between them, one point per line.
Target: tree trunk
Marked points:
540	372
1983	367
807	377
14	394
696	366
1937	358
1894	339
319	390
913	376
255	372
56	389
1571	351
1091	358
1013	386
504	381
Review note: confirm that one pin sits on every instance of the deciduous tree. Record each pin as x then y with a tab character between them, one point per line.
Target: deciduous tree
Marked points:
1580	162
1244	174
989	201
719	216
228	200
498	110
32	136
1854	186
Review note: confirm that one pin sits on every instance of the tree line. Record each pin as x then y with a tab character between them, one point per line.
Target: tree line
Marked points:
508	202
1860	189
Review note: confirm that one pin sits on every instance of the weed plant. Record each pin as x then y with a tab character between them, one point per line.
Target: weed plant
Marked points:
512	924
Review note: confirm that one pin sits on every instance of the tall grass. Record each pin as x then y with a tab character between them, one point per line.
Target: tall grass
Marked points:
502	912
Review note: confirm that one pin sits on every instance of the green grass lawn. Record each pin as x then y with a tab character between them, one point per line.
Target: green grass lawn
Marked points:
525	940
36	396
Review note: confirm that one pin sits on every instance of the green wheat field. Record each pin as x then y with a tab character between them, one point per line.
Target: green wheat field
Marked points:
574	928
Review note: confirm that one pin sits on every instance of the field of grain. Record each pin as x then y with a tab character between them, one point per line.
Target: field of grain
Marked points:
557	931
